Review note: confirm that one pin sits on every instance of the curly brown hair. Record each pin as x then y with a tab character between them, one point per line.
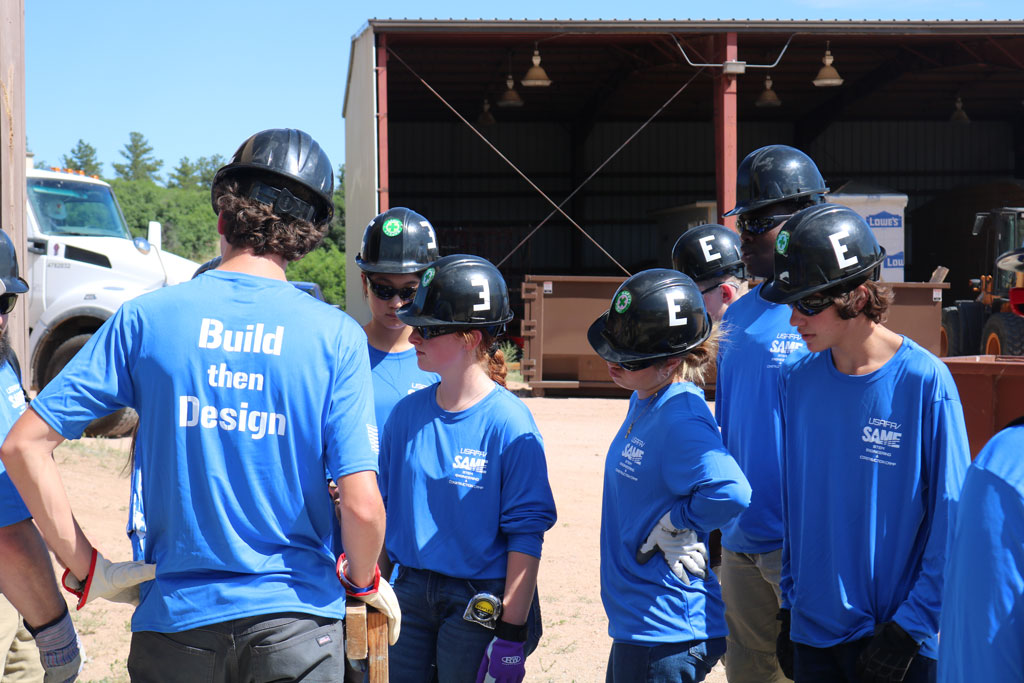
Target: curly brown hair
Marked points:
249	224
487	350
874	306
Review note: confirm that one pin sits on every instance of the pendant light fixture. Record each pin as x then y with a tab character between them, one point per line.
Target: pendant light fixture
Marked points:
536	76
768	97
959	115
827	76
510	98
486	118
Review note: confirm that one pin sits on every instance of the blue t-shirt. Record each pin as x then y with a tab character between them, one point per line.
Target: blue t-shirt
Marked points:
983	600
12	405
395	376
671	460
871	466
464	489
758	341
247	389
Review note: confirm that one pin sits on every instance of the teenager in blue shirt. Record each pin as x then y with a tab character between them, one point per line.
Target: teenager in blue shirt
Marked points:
668	482
26	575
982	621
773	183
465	483
247	390
397	247
712	256
874	455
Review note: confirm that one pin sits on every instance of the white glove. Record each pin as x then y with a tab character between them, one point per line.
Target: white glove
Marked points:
114	581
683	552
380	596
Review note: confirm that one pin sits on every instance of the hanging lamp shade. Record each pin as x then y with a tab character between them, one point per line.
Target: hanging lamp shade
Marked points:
510	98
959	115
536	76
486	118
768	97
827	76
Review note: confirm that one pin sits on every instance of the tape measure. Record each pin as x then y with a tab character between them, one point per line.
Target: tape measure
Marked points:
483	609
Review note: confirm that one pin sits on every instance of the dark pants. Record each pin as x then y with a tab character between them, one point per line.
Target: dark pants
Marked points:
838	663
271	647
687	662
436	642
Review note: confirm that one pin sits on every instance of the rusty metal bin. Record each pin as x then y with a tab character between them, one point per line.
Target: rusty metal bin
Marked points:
991	391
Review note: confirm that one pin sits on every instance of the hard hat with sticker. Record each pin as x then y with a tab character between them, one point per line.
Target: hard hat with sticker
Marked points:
782	242
392	227
622	301
427	277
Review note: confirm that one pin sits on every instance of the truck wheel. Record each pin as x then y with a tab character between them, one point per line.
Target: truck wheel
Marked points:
117	424
949	333
1003	335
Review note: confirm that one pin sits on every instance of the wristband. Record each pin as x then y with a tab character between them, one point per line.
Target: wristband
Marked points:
82	591
351	588
511	632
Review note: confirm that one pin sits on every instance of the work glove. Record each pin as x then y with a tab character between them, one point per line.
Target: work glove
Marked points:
114	581
504	660
783	645
378	595
682	551
888	655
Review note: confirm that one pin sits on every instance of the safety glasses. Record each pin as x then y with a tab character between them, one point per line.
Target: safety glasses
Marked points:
759	226
387	292
7	302
634	365
431	331
814	304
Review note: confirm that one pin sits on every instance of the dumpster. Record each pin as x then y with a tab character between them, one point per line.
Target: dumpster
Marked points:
991	391
558	309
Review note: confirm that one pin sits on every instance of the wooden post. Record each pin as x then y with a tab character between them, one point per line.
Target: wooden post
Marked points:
726	49
12	158
383	197
366	639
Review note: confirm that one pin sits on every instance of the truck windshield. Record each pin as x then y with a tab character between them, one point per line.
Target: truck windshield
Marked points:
71	207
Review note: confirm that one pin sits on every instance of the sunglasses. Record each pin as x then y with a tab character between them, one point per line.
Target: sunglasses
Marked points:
431	331
7	302
813	305
759	226
387	292
634	365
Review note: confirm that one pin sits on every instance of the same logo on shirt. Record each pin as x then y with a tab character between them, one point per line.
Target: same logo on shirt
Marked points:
882	438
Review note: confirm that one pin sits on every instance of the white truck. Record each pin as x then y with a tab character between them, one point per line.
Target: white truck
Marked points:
82	265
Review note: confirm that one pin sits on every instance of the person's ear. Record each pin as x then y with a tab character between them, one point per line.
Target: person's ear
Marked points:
474	339
728	292
220	223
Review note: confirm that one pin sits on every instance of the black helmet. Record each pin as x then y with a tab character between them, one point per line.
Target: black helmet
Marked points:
286	168
774	174
10	281
708	251
398	241
655	314
823	247
459	291
209	265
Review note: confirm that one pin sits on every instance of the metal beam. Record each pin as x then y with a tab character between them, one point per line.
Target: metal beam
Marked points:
726	49
383	194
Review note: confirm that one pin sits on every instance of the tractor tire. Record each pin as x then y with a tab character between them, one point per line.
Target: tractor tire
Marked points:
1003	335
949	334
117	424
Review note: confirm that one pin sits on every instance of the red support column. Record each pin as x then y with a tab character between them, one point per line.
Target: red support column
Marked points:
383	198
726	49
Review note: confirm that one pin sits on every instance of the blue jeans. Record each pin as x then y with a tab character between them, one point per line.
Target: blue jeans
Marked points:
838	663
687	662
436	643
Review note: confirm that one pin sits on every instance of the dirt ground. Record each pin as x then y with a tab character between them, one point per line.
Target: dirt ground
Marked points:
575	643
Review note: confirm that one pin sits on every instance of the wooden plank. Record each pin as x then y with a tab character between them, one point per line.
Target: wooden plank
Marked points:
377	637
355	629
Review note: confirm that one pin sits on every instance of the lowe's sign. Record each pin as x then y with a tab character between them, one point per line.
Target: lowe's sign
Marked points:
884	219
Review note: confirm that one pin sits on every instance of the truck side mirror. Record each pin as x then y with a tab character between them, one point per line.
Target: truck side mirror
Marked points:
155	235
979	222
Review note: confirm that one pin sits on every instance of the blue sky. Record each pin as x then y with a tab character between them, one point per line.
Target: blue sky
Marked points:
197	78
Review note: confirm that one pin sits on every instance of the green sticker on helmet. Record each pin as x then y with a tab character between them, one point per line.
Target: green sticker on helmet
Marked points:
782	242
428	275
392	227
622	301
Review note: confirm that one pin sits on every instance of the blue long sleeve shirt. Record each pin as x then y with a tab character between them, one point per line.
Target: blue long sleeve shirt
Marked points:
871	466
